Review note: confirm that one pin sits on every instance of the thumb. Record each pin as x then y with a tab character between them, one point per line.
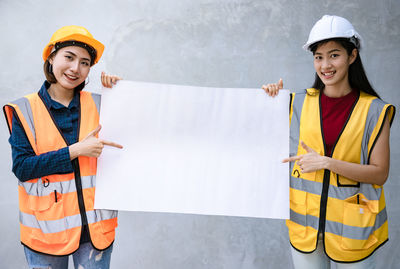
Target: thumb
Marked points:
280	84
95	131
307	148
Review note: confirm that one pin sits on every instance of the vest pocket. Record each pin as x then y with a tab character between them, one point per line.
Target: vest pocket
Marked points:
50	217
359	215
108	222
346	182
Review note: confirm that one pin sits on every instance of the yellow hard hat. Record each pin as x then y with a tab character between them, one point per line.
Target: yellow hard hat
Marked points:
74	33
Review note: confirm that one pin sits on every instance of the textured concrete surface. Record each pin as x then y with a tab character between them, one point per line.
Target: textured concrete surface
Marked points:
221	43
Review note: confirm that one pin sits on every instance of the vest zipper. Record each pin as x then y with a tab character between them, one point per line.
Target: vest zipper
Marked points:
325	184
323	203
326	180
78	184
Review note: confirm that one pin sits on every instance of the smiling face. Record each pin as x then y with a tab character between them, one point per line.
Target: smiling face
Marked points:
71	66
332	62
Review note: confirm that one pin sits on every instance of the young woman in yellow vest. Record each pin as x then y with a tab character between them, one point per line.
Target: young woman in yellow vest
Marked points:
339	148
55	145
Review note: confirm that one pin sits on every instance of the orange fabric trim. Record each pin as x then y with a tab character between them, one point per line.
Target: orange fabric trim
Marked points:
50	243
48	138
89	202
90	116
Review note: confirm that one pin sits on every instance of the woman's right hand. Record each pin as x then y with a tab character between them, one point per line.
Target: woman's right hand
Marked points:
90	146
109	81
272	89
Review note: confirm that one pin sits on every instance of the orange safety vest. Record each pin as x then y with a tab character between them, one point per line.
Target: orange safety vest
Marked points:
53	207
350	216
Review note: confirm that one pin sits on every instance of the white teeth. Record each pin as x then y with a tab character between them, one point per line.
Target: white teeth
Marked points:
328	74
71	77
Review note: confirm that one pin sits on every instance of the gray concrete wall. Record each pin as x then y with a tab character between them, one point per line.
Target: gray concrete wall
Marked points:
221	43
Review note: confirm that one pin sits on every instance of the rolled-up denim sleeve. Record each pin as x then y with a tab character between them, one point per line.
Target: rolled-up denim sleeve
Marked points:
27	165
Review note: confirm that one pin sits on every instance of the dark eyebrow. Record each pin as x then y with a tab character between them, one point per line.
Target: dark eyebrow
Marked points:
333	50
70	52
328	51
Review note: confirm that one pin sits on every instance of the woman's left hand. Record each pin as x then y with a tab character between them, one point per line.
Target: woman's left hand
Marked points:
309	162
109	80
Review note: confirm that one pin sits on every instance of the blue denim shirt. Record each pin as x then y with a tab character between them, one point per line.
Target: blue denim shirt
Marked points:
26	165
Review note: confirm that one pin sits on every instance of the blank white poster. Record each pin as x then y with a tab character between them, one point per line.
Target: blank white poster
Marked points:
197	150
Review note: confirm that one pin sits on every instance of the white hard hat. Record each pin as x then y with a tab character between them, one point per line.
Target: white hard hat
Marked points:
332	27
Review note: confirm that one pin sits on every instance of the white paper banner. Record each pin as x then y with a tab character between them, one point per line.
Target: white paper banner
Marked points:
212	151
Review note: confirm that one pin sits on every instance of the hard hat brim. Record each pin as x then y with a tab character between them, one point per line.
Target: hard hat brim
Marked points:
97	45
309	44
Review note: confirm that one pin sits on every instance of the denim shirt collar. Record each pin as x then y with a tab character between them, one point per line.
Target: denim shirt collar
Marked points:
50	103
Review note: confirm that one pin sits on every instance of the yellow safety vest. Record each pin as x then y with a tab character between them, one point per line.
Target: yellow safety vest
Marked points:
53	207
351	216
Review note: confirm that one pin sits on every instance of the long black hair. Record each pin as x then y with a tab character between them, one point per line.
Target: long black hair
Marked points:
357	78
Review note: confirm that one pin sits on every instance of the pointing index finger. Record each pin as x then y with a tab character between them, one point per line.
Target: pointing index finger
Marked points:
112	144
292	159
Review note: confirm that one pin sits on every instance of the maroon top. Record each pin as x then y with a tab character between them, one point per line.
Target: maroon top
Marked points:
335	112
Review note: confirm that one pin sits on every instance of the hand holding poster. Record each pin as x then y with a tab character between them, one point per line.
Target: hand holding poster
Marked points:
213	151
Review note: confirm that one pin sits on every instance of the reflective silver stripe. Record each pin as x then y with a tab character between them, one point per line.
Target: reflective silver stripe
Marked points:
374	112
341	193
43	187
100	214
297	106
304	220
88	182
26	110
306	185
55	226
97	100
352	232
50	226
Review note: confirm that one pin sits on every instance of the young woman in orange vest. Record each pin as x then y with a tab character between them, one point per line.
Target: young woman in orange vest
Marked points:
339	148
55	145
